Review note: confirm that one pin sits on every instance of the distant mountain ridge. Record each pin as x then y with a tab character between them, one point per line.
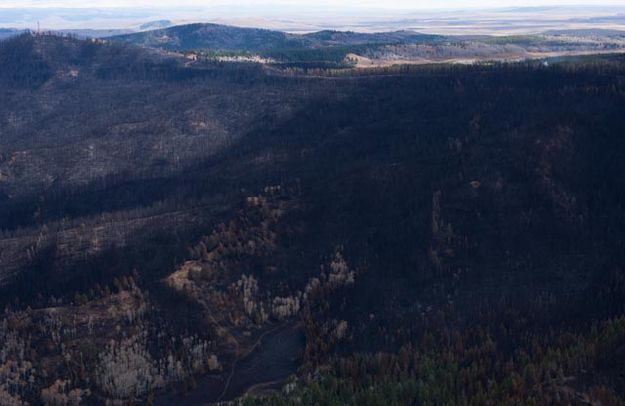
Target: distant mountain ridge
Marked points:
84	33
152	25
229	38
588	32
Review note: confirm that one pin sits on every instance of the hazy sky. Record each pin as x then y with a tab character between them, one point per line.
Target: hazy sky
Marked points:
400	4
443	17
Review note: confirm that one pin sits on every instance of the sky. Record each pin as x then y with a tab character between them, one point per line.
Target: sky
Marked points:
431	16
388	4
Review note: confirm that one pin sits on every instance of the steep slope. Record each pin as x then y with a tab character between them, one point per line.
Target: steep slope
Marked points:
115	123
456	228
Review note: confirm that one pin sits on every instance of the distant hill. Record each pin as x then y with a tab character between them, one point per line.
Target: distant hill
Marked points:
213	36
588	32
228	38
347	49
153	25
8	33
329	38
92	33
78	33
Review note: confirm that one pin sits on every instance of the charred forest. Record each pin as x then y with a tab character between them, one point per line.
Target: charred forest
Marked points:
432	234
